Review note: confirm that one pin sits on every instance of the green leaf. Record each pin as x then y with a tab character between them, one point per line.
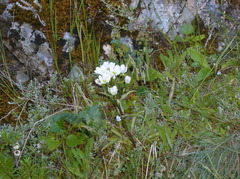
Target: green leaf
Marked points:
67	116
113	141
73	169
154	74
168	139
203	73
198	57
6	166
126	94
142	90
57	126
179	39
52	143
187	29
73	140
168	74
78	154
92	116
198	38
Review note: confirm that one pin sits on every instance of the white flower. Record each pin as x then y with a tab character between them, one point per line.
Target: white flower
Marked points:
116	70
110	65
97	81
105	67
123	69
127	79
16	146
118	118
105	77
219	73
113	90
17	153
102	69
107	49
99	71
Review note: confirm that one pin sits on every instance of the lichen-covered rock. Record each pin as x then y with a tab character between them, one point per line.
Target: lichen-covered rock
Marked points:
28	46
168	15
31	48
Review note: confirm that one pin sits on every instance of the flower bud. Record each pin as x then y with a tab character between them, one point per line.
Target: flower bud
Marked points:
127	79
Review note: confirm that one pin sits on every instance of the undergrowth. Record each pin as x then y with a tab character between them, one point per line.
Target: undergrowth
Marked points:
180	122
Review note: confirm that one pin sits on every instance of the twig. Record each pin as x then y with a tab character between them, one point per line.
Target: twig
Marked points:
10	112
172	90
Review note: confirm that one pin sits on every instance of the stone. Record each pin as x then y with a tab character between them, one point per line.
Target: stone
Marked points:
76	74
22	77
169	15
29	46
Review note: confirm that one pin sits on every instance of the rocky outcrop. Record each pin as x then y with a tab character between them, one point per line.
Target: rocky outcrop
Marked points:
30	48
169	15
27	45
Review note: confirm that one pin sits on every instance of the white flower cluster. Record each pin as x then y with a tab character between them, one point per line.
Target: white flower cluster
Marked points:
108	71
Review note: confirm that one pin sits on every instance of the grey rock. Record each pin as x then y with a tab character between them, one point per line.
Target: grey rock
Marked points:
76	74
27	45
35	53
168	15
22	77
70	40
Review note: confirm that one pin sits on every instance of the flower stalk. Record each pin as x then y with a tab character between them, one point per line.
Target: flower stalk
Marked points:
124	124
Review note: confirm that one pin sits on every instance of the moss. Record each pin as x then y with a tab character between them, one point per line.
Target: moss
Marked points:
7	110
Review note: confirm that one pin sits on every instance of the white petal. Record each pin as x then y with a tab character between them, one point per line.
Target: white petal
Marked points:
118	118
123	68
113	90
98	82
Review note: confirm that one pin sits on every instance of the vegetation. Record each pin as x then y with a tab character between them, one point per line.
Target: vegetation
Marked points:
175	117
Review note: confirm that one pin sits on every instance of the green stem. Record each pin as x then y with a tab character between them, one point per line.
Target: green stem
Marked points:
129	134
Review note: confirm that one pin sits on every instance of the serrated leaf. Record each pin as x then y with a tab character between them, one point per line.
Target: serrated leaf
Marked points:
92	116
57	126
187	29
52	143
67	116
198	57
154	74
198	38
73	140
168	74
